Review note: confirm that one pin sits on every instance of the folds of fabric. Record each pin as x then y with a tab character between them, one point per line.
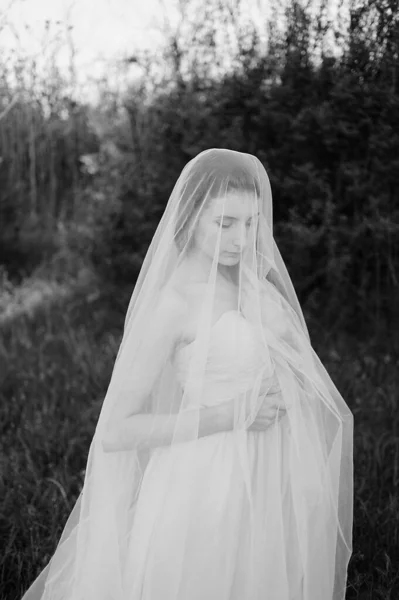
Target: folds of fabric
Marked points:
241	513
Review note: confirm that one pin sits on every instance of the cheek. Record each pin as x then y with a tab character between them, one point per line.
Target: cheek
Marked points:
207	239
211	241
225	237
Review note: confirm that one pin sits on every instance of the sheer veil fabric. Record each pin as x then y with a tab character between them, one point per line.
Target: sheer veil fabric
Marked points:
172	510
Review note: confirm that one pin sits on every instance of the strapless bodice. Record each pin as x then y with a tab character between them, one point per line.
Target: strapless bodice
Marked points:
235	359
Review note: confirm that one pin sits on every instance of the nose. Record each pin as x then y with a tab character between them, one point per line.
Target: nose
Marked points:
240	238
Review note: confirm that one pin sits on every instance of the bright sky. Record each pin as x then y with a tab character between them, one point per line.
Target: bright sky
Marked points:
98	25
100	31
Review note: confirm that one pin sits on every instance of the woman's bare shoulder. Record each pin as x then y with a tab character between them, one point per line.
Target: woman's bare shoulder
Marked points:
172	304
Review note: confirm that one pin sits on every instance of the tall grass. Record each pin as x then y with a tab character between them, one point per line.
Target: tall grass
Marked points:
55	368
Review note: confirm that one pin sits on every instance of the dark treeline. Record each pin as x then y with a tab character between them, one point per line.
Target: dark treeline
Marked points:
326	129
328	137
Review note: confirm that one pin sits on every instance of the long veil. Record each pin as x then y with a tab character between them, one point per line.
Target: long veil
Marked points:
216	234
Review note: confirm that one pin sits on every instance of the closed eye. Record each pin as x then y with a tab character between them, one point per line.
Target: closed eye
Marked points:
229	224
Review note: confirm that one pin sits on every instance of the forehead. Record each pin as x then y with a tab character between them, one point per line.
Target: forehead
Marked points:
243	203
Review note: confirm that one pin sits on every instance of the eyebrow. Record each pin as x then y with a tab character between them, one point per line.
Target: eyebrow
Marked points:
235	218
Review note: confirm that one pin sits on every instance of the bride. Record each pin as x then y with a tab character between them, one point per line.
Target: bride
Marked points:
221	466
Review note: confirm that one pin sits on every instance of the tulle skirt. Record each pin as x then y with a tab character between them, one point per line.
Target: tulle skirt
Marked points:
217	520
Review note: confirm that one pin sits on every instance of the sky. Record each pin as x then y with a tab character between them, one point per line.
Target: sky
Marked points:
99	32
99	25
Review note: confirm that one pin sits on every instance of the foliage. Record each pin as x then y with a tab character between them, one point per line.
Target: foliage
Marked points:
328	137
59	363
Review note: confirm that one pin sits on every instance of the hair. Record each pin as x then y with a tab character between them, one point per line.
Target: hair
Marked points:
200	185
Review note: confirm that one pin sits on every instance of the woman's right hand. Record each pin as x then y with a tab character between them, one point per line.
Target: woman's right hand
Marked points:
271	410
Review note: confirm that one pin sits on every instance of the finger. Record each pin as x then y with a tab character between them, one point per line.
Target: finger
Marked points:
271	411
278	406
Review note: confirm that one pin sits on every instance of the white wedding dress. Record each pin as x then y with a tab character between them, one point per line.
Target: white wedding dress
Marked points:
240	514
190	534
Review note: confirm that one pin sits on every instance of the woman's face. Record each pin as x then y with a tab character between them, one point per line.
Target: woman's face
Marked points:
235	216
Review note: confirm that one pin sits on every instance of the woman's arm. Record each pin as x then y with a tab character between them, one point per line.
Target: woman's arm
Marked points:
150	431
128	417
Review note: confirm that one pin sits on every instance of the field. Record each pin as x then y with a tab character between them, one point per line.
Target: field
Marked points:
55	368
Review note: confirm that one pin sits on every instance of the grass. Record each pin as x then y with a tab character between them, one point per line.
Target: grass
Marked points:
56	364
55	368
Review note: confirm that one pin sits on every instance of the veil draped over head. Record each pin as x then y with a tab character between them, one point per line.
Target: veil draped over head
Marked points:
171	508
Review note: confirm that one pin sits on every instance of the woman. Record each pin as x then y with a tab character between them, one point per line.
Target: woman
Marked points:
221	465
